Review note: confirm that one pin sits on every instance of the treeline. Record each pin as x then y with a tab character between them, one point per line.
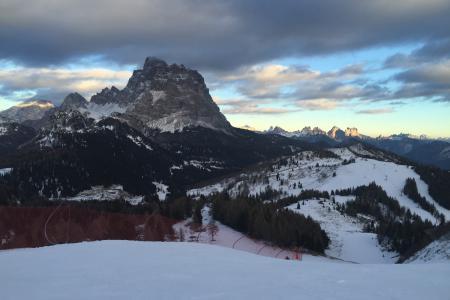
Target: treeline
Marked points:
438	182
395	226
304	195
178	208
267	222
410	190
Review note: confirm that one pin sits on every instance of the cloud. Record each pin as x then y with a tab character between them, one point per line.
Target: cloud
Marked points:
292	83
431	81
376	111
212	34
268	80
318	104
55	83
242	106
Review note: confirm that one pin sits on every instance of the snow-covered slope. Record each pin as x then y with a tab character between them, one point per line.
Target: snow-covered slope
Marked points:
215	233
149	270
328	174
348	241
437	251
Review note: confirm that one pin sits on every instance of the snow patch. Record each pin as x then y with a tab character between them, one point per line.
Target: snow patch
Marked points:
97	111
162	190
138	141
5	171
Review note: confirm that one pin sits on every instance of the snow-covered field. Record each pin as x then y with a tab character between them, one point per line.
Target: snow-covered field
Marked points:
161	270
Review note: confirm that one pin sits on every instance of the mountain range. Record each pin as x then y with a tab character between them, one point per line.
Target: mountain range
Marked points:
416	148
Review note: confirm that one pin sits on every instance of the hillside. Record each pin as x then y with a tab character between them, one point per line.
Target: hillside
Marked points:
291	179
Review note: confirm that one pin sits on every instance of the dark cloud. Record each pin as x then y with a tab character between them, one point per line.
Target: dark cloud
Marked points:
210	34
431	81
431	51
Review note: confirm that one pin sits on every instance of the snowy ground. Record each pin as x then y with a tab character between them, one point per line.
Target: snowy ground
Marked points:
153	270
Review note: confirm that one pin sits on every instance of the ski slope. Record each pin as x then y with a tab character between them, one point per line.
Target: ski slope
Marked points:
110	270
347	239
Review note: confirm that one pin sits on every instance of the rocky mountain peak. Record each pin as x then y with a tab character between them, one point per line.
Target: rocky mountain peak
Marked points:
353	132
165	97
307	130
74	101
277	130
336	133
152	62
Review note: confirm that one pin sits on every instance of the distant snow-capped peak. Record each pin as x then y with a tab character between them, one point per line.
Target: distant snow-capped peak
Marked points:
28	110
334	133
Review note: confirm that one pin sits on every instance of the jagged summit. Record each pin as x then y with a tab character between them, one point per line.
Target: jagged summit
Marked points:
353	132
165	97
306	131
276	130
74	101
151	62
334	133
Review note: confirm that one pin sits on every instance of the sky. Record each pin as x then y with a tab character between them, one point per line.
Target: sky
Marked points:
382	66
